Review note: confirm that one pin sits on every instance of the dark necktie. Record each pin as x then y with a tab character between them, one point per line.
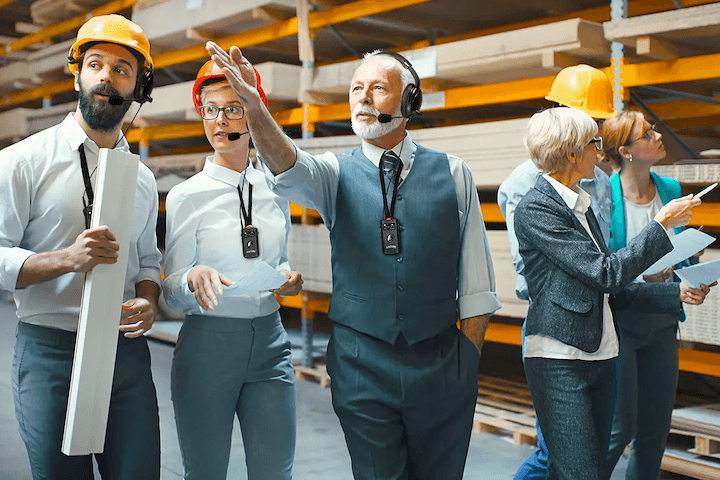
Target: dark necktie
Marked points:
390	161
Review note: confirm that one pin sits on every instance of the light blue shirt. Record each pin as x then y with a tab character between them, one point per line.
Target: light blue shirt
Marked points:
41	190
204	228
520	181
313	182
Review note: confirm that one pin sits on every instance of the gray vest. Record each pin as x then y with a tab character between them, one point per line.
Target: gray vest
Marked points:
415	292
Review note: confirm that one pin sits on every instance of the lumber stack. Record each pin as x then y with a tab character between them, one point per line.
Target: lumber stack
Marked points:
701	426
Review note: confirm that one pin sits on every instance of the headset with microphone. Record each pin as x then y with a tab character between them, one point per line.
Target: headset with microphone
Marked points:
143	84
411	96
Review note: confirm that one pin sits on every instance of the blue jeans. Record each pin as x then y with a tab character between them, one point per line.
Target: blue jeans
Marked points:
535	466
573	401
42	366
234	366
406	410
646	378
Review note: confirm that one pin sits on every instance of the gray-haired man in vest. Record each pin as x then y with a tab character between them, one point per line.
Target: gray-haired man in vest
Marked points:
409	257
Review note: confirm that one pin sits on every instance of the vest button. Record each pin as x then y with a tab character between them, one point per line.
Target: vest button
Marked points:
399	259
400	288
399	197
401	317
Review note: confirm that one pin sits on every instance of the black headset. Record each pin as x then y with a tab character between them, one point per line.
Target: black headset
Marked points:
412	95
143	83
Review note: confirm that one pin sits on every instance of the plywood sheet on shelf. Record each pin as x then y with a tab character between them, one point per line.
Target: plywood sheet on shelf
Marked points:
491	149
692	30
213	19
173	103
525	53
46	12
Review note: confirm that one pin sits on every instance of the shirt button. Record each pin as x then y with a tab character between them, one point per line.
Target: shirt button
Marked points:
399	197
399	259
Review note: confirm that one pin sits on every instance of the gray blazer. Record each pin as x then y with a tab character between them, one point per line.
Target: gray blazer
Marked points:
567	275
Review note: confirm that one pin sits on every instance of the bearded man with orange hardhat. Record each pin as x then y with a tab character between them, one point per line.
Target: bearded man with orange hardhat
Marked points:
47	247
588	89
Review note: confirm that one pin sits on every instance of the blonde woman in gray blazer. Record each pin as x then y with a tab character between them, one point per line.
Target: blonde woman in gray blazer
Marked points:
575	284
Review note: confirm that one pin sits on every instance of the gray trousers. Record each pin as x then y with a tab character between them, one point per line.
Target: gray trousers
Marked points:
225	367
406	410
42	366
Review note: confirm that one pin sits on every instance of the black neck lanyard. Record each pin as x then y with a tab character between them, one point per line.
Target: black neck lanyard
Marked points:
87	207
389	213
246	215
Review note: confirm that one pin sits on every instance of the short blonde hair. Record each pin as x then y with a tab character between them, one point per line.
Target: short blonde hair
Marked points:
212	87
555	132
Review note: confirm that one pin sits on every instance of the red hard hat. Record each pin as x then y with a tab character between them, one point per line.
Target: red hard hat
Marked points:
210	73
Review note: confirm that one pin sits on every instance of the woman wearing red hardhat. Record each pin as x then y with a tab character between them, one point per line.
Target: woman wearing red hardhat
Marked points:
232	358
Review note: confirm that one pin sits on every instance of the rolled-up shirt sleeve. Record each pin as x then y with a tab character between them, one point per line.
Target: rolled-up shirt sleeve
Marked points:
14	214
312	182
476	283
149	257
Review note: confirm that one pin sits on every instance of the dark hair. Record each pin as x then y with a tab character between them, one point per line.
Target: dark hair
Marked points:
138	56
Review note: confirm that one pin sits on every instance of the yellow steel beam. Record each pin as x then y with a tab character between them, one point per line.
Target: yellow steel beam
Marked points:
687	69
287	28
595	14
5	3
680	109
165	132
709	121
705	363
42	91
48	33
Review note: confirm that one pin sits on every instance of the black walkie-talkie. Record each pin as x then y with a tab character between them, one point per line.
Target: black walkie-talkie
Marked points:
251	246
390	233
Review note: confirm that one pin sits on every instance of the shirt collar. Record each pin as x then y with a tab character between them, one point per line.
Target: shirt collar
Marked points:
227	175
405	150
75	135
577	200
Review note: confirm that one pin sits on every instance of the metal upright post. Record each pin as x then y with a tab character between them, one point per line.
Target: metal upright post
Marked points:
618	11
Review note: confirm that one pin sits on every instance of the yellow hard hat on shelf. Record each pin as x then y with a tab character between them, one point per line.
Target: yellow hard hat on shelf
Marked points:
585	88
110	29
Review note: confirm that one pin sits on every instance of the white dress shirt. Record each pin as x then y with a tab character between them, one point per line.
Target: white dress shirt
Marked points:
41	191
313	182
204	228
547	347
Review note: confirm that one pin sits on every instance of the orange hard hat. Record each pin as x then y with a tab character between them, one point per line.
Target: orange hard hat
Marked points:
110	29
210	73
585	88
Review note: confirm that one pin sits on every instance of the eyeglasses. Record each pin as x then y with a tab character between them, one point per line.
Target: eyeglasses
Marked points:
598	143
232	112
649	133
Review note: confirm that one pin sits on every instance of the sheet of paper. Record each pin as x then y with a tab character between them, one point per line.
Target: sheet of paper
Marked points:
263	277
702	273
685	244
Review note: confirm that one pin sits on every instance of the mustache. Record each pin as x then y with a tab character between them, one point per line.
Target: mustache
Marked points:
362	108
104	89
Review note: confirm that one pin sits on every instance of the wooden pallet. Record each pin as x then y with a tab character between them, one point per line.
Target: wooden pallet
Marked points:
318	373
694	444
504	407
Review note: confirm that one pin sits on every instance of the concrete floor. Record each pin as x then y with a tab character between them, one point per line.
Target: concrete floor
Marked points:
321	452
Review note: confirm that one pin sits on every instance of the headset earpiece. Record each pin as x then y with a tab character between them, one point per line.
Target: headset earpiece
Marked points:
144	85
412	95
